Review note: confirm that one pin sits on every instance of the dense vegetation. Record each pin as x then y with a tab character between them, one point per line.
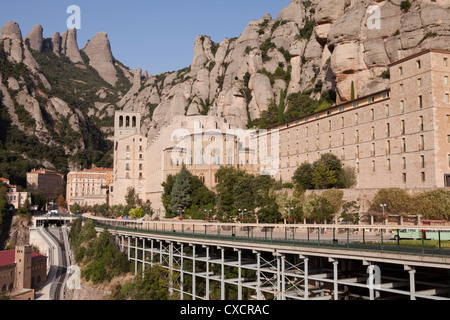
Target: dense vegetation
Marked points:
298	105
76	84
99	257
248	198
432	205
325	173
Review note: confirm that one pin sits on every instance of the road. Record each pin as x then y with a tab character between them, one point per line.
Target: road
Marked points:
53	289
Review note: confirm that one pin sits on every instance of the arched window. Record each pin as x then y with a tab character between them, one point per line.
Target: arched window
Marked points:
4	288
127	124
134	122
120	121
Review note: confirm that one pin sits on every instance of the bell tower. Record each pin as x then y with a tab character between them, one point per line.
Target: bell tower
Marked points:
23	267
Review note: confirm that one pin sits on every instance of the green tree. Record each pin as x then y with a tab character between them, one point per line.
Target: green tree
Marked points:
137	213
303	176
433	205
318	209
398	201
167	192
323	177
228	177
350	212
132	198
181	193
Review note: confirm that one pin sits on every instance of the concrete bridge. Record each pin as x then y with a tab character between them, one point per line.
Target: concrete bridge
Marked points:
284	262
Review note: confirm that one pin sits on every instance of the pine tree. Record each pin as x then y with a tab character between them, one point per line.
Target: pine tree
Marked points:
181	192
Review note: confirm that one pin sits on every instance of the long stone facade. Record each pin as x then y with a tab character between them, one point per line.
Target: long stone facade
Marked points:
398	137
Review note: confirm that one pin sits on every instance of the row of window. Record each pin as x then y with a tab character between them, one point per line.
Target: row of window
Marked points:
289	136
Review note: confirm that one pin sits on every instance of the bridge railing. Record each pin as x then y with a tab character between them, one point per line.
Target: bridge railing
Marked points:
285	238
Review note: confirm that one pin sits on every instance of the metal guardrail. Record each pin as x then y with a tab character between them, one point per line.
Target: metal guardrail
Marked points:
325	244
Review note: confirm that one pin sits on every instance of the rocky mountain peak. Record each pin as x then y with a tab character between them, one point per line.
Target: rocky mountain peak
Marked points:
35	39
69	46
100	57
11	30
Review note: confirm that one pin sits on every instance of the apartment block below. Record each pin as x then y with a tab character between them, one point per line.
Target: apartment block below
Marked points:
396	138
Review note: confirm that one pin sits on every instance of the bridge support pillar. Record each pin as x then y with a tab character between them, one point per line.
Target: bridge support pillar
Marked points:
239	275
171	268
207	273
258	275
412	281
135	256
129	248
335	278
306	278
222	278
194	289
283	277
151	253
182	272
143	257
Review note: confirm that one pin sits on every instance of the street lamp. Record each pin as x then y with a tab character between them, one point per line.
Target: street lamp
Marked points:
241	213
383	206
289	212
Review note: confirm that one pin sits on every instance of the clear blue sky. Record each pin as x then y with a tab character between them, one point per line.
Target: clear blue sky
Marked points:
155	35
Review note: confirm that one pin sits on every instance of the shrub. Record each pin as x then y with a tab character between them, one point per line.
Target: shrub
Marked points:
405	6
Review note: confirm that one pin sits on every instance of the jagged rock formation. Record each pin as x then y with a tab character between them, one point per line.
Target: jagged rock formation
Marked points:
314	47
100	57
311	47
69	46
55	101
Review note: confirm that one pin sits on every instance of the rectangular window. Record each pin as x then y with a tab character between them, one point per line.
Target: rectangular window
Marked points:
420	102
400	71
356	118
419	64
404	177
419	82
403	127
422	143
423	176
372	114
402	106
403	145
371	99
357	136
447	98
373	166
373	150
388	130
401	88
446	80
389	164
388	111
357	152
372	133
445	62
404	163
421	125
388	147
422	161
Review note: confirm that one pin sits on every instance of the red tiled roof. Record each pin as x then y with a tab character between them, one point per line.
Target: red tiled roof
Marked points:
7	257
